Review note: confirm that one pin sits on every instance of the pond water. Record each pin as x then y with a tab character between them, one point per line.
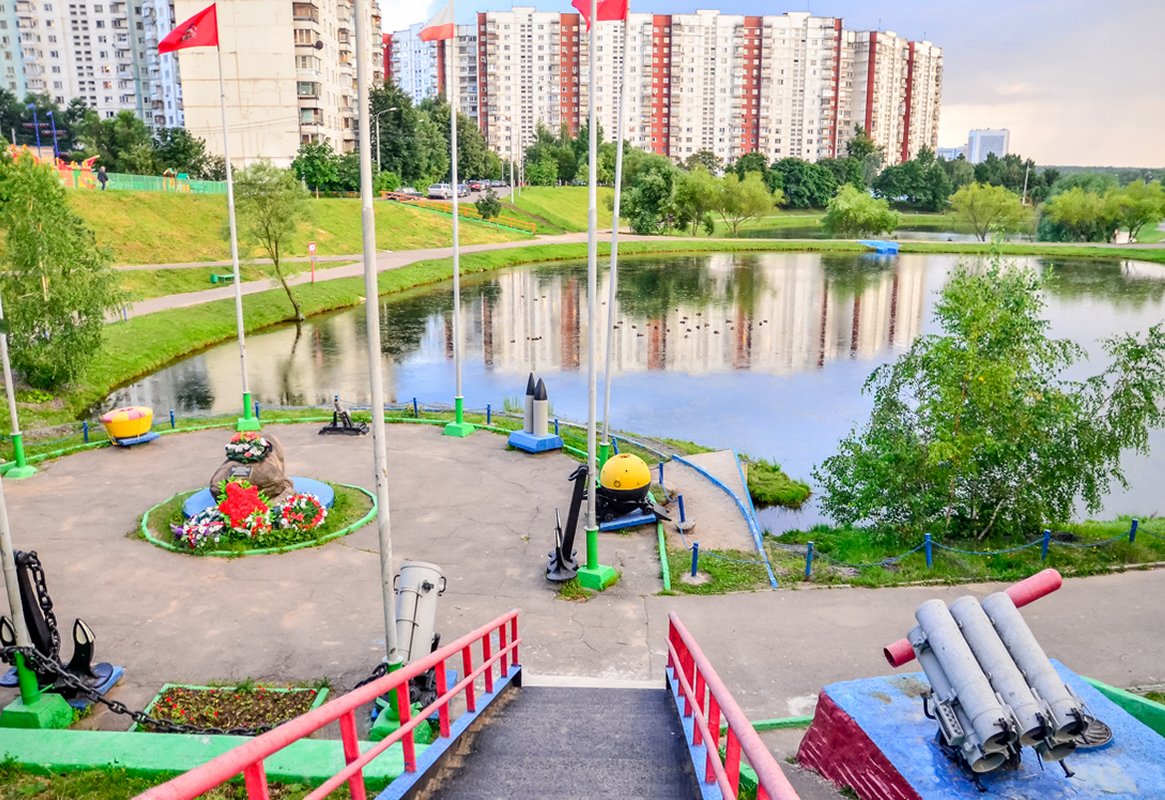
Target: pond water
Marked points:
765	353
921	232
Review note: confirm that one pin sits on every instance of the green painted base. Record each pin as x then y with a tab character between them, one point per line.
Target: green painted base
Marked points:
50	711
247	424
16	473
461	429
597	579
386	724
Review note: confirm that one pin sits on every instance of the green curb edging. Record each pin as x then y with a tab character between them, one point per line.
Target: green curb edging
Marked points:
260	551
664	566
1141	708
164	755
321	695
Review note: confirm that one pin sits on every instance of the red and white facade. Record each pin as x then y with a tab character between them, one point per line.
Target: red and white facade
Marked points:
793	85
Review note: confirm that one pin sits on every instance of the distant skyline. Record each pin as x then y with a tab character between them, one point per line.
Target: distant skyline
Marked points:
1075	82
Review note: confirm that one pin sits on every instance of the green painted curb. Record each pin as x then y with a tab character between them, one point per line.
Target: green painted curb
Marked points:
47	712
1150	713
321	695
261	551
665	568
164	755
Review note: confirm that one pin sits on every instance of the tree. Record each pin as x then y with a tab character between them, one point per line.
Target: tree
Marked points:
805	185
1136	205
739	200
706	159
179	150
647	202
471	146
56	282
920	183
488	205
988	209
271	204
852	212
347	172
750	162
1080	216
398	143
868	153
122	143
432	153
317	165
543	172
959	172
844	170
696	194
976	430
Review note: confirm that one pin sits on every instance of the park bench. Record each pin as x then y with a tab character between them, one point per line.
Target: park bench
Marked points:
222	278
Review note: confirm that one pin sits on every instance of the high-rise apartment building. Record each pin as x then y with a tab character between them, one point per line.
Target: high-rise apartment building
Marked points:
983	141
290	73
793	85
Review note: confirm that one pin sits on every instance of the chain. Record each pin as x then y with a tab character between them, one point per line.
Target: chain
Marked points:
379	671
32	561
44	665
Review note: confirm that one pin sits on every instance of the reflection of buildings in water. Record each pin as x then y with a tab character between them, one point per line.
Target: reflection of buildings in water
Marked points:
187	385
796	318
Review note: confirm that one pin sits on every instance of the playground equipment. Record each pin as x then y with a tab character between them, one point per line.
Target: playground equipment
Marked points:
622	499
342	423
129	425
52	674
535	436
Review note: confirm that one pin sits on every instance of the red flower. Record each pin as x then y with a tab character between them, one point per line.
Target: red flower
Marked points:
240	503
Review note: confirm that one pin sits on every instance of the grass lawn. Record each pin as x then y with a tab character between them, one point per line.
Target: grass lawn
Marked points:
160	228
565	206
1151	234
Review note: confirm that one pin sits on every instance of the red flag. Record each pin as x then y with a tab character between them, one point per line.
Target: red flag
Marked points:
201	30
440	27
609	10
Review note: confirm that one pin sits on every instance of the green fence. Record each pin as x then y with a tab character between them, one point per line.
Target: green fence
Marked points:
82	179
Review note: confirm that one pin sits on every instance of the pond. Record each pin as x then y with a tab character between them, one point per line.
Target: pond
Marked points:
765	353
921	231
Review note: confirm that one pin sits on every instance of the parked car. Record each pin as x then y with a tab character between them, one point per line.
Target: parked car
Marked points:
498	184
409	190
476	186
440	191
462	190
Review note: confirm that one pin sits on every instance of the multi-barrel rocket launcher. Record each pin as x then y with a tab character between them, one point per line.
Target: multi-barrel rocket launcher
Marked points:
993	689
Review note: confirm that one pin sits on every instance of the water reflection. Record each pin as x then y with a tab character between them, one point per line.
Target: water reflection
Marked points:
766	353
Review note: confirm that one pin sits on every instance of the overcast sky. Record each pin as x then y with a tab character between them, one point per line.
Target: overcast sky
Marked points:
1075	81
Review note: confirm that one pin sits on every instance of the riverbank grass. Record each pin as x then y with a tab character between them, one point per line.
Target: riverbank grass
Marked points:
769	485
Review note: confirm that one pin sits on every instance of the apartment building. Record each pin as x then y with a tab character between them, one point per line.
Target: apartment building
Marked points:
290	76
983	141
790	85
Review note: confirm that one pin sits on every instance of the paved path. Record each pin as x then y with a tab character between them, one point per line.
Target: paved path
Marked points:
485	515
719	525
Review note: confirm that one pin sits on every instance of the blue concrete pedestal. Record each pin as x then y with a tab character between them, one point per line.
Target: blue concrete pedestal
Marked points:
888	711
200	501
145	438
632	520
535	444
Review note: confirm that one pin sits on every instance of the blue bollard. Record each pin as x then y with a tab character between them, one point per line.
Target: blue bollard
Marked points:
416	411
695	557
556	426
1133	531
615	444
808	558
929	553
661	473
256	409
85	431
683	516
488	414
1044	546
171	419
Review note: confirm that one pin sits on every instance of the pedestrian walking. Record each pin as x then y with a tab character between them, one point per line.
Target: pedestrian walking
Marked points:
102	178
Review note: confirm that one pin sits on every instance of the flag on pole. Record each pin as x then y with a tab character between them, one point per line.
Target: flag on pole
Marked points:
440	27
609	10
201	30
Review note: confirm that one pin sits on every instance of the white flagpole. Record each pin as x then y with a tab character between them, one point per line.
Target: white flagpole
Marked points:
372	322
458	427
247	422
613	271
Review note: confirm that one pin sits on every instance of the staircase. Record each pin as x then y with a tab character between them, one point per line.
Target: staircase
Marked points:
571	743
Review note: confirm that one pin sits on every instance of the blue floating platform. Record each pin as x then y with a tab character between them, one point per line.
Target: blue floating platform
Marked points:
888	711
145	438
632	520
200	501
881	246
115	674
535	444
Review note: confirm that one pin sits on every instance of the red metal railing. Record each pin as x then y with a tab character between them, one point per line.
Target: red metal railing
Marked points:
248	758
708	700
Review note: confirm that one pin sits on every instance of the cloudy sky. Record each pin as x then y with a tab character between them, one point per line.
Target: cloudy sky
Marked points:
1076	81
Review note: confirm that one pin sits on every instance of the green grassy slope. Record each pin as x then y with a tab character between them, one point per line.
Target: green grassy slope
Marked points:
565	206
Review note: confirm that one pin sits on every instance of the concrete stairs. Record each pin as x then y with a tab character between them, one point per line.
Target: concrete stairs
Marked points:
566	743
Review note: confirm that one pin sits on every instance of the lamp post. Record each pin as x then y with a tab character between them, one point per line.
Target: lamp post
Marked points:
53	122
378	113
36	127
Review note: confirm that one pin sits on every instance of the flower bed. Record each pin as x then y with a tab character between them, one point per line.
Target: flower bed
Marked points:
245	706
244	523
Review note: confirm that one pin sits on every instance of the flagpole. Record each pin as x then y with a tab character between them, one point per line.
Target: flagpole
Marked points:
247	422
458	427
594	575
372	323
613	271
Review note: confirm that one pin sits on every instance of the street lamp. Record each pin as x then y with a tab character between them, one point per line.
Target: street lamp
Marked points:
36	126
378	113
53	121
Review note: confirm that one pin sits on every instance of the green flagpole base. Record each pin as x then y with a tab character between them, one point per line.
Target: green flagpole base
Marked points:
604	454
597	578
386	724
20	468
247	424
47	711
16	473
458	427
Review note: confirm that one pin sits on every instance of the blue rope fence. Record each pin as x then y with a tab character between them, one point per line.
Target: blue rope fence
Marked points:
929	545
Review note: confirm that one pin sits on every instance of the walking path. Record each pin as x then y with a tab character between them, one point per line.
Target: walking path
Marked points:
486	516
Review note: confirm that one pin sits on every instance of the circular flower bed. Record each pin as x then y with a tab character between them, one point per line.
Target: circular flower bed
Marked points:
244	522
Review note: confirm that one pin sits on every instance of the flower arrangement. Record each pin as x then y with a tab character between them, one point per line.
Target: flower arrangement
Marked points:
247	447
302	512
205	527
244	509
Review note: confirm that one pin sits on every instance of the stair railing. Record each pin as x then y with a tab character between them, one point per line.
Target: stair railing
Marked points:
247	759
708	700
